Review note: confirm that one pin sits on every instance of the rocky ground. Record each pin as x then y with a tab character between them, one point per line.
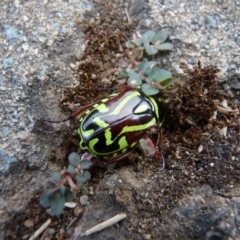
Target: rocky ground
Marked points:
196	196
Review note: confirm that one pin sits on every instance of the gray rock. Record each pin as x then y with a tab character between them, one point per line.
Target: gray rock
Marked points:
12	34
6	159
7	63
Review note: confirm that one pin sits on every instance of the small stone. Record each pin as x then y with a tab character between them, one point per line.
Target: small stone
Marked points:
12	34
29	223
5	131
147	236
213	42
23	135
72	66
93	76
200	149
7	63
42	39
70	204
84	200
25	18
25	46
61	235
51	231
91	191
78	210
3	88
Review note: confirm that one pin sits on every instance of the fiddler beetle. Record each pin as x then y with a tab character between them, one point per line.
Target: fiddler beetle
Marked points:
110	128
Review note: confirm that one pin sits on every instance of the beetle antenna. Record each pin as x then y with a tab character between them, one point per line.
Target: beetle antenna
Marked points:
59	121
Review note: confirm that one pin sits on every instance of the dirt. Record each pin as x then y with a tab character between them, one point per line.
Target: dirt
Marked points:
196	196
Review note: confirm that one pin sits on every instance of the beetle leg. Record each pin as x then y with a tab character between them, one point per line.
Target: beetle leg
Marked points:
125	87
114	160
159	154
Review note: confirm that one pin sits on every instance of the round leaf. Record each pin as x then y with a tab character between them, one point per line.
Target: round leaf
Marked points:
147	36
162	84
165	47
150	49
62	189
123	74
159	75
134	78
57	204
160	36
68	195
149	90
138	42
83	177
74	159
45	199
71	169
138	53
130	44
146	68
56	177
85	164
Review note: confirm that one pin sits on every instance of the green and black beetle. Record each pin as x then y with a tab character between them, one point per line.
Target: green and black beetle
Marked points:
112	127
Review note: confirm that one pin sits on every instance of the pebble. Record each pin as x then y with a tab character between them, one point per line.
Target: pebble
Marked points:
12	34
51	231
78	210
7	63
3	88
29	223
213	42
5	131
70	204
25	18
84	200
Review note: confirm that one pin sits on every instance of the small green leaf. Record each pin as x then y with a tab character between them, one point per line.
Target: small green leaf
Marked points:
138	42
45	199
160	75
149	90
49	184
134	78
62	189
165	47
71	169
147	36
123	74
74	159
150	49
57	204
83	177
138	53
85	164
147	68
56	177
163	84
160	36
68	195
130	44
